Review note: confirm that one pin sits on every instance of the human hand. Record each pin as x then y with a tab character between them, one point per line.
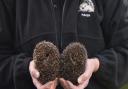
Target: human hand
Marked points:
35	74
92	66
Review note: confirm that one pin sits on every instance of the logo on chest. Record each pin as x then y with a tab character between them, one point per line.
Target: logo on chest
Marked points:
86	8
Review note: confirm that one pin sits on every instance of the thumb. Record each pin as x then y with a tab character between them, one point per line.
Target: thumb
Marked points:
88	72
33	70
35	74
82	78
55	82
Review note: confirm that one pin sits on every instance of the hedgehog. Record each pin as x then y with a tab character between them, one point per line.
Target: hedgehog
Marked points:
73	61
46	57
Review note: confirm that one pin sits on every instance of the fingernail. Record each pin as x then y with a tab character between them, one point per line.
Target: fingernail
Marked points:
37	74
62	79
79	80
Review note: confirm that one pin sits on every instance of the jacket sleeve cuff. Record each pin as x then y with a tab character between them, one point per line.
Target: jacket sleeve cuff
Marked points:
98	74
26	65
21	75
105	74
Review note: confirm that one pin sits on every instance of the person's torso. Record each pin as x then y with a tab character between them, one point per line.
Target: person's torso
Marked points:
44	20
74	20
47	20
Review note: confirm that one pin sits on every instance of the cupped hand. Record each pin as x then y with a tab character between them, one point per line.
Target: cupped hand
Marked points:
92	66
35	75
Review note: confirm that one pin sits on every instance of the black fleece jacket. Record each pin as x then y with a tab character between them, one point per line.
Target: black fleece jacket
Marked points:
104	31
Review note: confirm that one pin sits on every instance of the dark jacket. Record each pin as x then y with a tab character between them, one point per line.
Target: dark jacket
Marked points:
104	31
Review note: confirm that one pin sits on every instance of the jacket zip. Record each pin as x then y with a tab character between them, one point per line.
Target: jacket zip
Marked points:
63	13
54	18
59	31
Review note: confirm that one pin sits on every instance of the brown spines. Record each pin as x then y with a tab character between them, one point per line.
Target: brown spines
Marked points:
46	57
51	64
73	60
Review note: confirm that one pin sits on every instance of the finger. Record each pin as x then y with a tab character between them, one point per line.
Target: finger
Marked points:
63	83
82	78
33	71
86	75
71	86
83	85
36	83
55	83
47	85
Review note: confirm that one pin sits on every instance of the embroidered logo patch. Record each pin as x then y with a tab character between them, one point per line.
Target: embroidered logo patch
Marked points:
86	8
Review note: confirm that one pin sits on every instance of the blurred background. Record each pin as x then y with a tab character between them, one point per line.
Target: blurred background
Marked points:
125	87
